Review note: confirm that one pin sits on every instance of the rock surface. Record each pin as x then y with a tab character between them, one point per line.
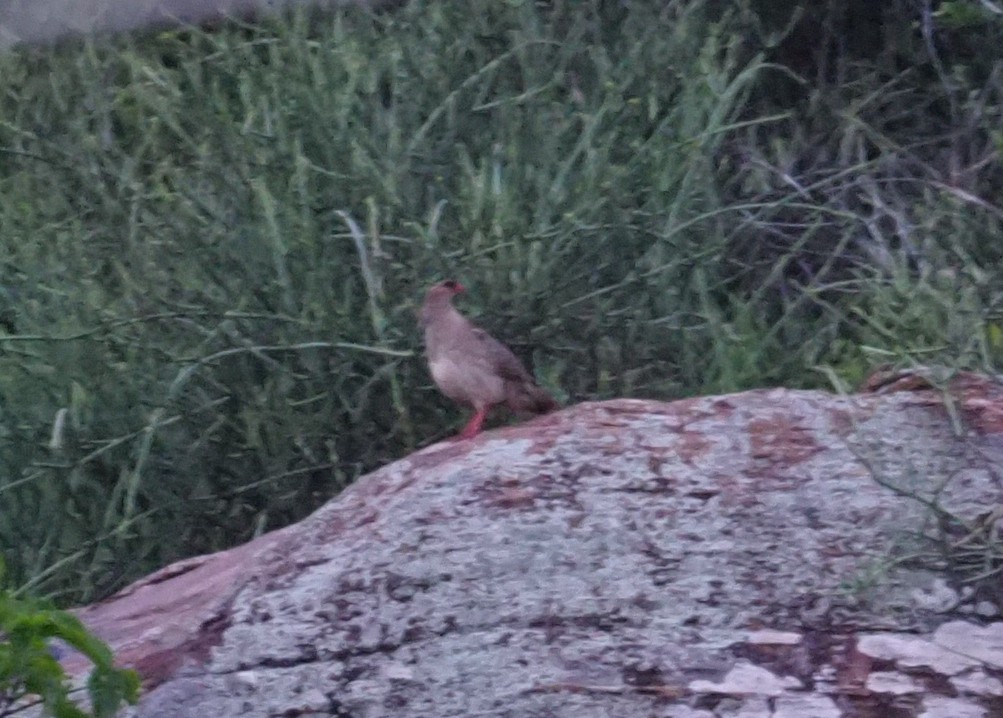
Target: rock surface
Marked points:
720	556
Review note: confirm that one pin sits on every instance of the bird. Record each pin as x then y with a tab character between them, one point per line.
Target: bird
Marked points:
470	366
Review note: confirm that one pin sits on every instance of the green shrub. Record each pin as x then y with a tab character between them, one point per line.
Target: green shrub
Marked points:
213	243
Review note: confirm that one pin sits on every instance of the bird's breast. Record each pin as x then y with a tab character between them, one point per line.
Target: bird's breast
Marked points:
466	382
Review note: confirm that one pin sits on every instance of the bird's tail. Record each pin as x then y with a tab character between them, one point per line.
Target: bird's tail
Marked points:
530	398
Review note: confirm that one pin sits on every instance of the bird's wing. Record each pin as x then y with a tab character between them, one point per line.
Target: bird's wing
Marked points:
499	357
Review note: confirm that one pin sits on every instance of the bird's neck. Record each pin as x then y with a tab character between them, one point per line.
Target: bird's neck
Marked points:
437	309
443	326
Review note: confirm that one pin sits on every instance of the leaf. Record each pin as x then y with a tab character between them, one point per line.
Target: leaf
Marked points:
29	666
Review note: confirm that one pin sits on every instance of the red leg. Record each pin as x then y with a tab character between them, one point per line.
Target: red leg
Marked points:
473	427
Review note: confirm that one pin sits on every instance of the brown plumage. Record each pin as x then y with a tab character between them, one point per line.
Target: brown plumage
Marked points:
470	366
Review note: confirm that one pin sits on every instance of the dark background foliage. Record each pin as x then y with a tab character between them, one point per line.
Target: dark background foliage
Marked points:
213	241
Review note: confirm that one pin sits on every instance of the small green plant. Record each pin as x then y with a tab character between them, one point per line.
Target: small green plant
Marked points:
28	666
962	547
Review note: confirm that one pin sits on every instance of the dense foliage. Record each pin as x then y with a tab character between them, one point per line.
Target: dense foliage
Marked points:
212	242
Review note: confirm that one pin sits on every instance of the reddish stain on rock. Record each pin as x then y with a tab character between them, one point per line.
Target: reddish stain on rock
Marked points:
692	445
981	402
783	441
843	422
978	398
852	669
508	495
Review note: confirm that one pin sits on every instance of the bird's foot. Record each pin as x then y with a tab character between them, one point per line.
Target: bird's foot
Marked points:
473	427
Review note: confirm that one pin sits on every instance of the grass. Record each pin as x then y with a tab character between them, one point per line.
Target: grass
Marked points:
212	245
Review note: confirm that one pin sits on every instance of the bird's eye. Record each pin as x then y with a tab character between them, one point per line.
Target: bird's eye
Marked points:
449	284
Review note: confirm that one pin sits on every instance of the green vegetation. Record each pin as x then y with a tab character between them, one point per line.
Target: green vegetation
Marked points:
212	243
30	673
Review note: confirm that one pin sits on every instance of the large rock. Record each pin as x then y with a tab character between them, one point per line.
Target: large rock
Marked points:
741	555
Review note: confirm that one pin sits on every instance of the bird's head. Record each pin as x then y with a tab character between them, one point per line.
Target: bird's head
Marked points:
438	298
445	290
452	286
